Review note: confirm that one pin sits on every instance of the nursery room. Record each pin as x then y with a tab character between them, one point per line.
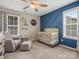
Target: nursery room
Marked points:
39	29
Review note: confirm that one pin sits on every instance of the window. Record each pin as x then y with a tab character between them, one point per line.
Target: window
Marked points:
71	27
13	25
70	24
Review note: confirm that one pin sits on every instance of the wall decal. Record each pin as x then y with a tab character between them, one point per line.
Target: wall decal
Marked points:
24	21
24	24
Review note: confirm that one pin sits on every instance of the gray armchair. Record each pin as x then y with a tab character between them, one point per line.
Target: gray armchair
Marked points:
10	43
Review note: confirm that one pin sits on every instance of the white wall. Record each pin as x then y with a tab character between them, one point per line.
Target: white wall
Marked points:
32	30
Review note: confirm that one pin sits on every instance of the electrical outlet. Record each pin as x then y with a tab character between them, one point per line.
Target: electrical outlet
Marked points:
61	40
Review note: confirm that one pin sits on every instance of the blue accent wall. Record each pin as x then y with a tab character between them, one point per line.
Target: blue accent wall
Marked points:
54	20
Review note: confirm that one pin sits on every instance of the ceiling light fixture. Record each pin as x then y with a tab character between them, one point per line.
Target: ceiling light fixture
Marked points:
33	6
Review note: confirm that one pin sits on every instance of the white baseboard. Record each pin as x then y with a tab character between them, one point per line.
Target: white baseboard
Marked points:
74	49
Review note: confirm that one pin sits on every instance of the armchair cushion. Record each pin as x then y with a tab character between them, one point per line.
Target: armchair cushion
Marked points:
17	42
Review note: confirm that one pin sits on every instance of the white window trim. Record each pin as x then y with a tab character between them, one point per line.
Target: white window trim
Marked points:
2	23
18	24
64	23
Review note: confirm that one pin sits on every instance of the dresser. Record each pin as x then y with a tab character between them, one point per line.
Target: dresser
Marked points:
1	46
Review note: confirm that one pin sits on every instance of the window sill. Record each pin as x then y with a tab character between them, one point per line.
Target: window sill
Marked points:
68	37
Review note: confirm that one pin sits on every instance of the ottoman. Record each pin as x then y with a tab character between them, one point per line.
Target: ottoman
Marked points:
26	45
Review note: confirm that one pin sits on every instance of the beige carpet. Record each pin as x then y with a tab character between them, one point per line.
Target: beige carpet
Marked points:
42	51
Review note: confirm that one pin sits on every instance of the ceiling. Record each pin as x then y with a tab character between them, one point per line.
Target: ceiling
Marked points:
52	5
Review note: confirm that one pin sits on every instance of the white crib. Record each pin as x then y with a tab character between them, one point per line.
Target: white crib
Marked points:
50	36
